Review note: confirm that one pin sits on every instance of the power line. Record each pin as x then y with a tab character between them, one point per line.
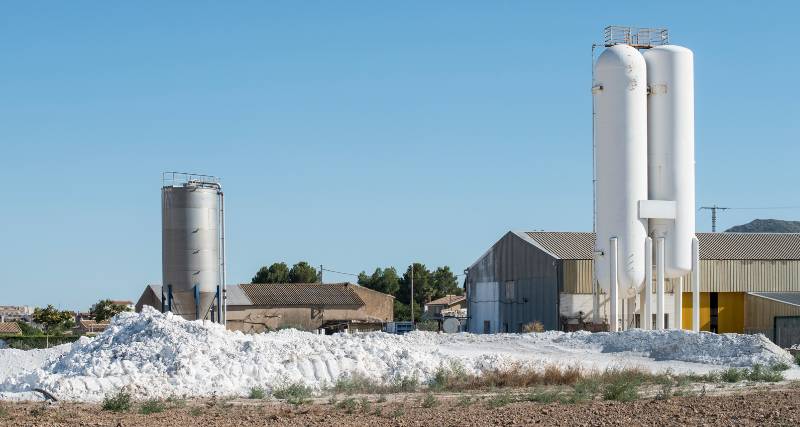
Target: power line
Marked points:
716	208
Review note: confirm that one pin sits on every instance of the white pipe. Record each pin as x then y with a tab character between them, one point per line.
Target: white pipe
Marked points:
224	295
647	317
613	317
696	285
678	303
660	283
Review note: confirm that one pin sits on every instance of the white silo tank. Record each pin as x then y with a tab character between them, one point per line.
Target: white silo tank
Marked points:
620	97
670	131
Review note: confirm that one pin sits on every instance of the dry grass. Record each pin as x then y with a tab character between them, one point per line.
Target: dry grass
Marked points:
456	379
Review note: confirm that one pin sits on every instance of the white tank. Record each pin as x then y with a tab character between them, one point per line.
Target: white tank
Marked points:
620	97
670	133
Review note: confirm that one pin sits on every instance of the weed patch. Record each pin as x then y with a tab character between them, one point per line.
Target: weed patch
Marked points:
430	401
152	406
296	394
119	402
499	401
759	373
348	405
257	392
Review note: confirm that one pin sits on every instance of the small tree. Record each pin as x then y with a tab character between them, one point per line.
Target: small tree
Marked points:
106	309
278	272
302	272
54	320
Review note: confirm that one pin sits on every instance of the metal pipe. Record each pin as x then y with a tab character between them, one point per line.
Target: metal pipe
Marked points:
647	318
677	292
196	302
224	303
696	285
660	283
614	297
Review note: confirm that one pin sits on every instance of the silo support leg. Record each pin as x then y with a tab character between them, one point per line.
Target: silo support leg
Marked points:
647	311
695	285
196	302
678	304
660	283
613	316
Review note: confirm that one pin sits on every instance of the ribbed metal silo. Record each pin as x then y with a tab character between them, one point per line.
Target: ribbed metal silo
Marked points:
192	254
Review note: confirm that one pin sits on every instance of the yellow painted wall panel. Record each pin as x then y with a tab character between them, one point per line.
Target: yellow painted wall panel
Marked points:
705	311
731	312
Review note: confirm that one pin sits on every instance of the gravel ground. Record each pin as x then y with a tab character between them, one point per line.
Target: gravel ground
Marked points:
759	406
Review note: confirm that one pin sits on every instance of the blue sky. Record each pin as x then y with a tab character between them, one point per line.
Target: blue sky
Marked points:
349	134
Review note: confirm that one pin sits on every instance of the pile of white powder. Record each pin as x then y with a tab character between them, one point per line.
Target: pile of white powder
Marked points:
161	355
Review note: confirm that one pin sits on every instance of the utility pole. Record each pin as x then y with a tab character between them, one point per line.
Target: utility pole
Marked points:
320	273
412	293
713	210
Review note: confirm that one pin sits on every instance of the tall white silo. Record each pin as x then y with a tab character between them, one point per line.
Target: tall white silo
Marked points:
620	97
670	131
192	258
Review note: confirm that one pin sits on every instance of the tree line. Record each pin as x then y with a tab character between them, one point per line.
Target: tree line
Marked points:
428	285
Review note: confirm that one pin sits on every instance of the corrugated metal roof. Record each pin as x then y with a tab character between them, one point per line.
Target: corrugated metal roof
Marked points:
564	244
784	297
448	300
302	294
735	246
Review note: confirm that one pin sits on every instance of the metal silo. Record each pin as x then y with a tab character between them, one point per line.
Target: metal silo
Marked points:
192	236
620	96
670	130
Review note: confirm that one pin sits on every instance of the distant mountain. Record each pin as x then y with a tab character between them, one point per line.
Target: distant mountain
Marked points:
767	226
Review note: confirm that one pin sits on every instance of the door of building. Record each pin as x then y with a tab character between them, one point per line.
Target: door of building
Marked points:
787	331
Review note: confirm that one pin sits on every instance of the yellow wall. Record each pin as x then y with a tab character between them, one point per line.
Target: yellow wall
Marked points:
705	311
731	311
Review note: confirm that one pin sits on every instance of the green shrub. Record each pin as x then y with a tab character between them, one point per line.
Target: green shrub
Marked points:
296	394
196	412
257	392
759	373
152	406
365	405
622	389
405	384
119	402
585	389
349	405
464	400
779	367
3	412
797	358
733	375
500	400
430	401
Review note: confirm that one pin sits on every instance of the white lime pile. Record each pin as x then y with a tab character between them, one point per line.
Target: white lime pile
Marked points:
160	355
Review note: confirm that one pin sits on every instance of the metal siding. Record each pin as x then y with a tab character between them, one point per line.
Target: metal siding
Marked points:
759	314
535	278
716	276
577	276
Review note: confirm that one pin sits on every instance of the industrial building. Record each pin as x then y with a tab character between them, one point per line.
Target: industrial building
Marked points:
258	307
750	282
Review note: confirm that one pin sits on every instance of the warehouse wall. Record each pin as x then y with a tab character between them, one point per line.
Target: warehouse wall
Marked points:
526	283
759	314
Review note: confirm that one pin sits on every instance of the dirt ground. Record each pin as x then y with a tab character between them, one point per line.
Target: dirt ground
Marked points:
778	406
